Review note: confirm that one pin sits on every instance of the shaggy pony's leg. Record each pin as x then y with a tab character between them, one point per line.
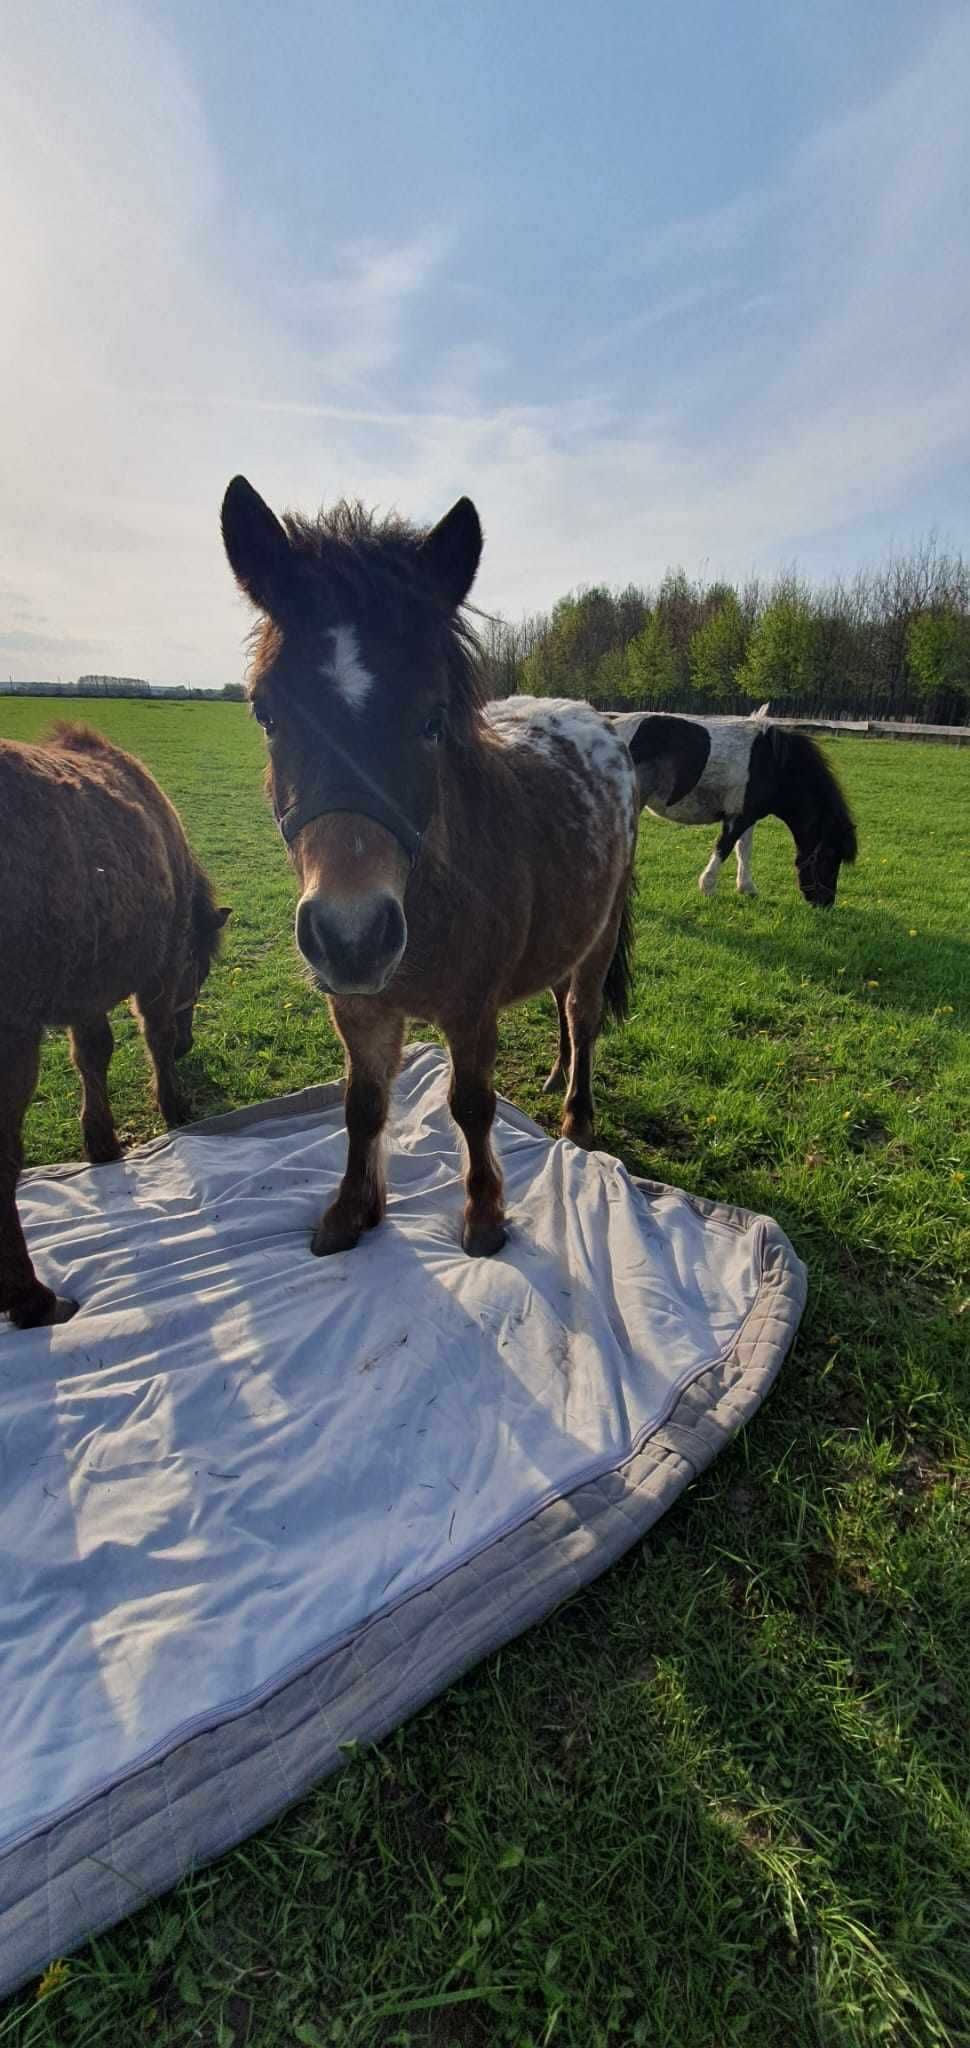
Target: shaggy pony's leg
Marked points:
742	854
22	1296
584	1015
472	1103
156	1015
92	1045
556	1079
374	1042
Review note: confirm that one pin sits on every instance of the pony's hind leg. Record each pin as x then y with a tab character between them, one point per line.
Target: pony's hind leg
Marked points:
23	1297
156	1015
373	1044
472	1102
742	855
600	981
92	1045
557	1078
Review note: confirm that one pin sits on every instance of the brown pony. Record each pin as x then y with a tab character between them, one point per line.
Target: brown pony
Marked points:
453	857
100	898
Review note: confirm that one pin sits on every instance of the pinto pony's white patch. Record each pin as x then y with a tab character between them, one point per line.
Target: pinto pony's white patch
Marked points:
345	669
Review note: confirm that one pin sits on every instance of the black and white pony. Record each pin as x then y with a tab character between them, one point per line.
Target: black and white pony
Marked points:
733	771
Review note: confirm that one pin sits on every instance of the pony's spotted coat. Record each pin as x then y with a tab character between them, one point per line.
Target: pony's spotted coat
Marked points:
572	735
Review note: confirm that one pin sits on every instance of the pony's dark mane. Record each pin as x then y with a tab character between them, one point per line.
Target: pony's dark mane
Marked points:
373	562
800	760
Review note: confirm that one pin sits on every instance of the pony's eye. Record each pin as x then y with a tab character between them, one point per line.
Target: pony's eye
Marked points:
264	717
433	729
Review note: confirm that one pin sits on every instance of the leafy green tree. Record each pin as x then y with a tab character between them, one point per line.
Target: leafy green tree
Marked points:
652	667
938	655
717	652
780	664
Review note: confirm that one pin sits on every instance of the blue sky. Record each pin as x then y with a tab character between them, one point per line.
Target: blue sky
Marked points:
652	284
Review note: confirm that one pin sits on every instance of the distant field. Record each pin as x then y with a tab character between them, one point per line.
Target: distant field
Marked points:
722	1796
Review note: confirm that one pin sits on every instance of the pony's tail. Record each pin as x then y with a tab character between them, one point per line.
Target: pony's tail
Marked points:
619	974
799	758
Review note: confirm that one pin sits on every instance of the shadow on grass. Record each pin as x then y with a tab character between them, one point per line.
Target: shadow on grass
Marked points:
914	969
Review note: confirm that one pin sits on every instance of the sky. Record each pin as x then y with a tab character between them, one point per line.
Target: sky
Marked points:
653	285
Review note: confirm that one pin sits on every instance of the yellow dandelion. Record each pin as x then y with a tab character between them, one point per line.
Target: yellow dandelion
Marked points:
54	1976
959	1176
872	984
913	932
947	1009
710	1119
846	1113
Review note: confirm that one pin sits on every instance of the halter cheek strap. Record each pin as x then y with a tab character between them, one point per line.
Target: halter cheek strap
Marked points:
366	803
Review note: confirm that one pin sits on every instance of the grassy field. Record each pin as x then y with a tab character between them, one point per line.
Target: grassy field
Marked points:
721	1797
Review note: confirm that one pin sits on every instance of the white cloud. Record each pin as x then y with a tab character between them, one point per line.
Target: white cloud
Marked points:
138	375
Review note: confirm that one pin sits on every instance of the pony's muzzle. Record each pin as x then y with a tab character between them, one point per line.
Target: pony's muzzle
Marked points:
353	948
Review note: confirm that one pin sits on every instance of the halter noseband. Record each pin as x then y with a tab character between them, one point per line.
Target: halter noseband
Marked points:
365	802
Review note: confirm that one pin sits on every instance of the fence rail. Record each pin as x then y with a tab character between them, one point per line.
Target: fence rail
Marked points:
882	728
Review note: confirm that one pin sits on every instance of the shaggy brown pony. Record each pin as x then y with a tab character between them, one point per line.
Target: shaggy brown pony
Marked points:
453	857
100	898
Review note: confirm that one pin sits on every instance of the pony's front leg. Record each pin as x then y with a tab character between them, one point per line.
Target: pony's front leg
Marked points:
23	1297
157	1019
374	1042
92	1045
472	1102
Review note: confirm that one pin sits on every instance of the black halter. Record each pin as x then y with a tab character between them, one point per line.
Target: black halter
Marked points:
367	803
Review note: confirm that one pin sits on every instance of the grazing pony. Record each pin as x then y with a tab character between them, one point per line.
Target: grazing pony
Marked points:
452	858
701	771
100	898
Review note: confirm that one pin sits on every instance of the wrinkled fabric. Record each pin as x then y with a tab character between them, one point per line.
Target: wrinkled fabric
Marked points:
237	1454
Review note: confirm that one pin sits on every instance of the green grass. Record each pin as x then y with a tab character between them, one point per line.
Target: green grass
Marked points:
721	1797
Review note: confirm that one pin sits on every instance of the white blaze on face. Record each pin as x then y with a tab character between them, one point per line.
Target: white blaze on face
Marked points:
345	669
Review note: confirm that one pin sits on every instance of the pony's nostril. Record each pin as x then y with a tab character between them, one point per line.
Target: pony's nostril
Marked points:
351	947
388	937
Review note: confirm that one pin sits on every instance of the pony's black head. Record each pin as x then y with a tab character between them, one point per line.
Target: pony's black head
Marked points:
205	937
809	798
818	875
363	678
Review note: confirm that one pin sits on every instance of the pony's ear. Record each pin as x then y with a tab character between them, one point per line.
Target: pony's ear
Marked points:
259	552
450	553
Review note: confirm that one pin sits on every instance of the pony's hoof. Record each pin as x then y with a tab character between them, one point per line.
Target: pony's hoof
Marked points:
707	885
175	1112
554	1081
46	1310
334	1237
483	1240
103	1152
581	1134
747	889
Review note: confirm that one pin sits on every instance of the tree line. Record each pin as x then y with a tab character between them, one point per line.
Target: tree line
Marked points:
893	642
